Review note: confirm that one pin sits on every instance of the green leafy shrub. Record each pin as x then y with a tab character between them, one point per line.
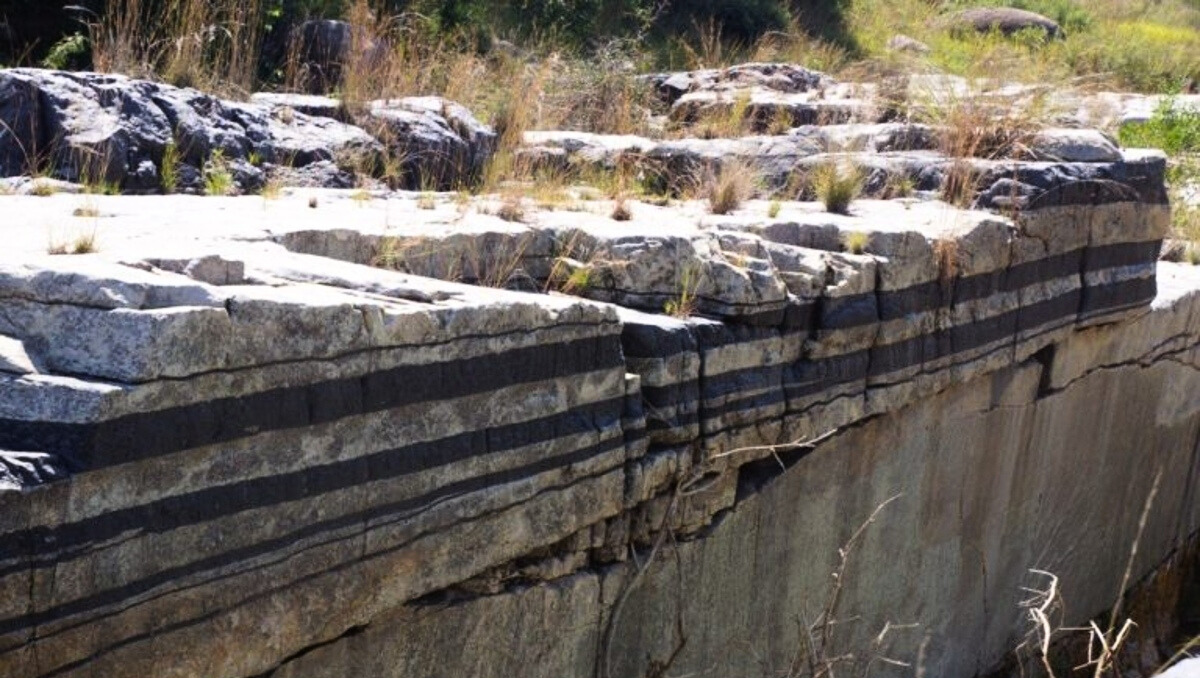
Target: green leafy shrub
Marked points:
72	52
1171	129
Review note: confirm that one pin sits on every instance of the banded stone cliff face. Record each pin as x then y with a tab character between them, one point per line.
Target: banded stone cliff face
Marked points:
1044	465
231	445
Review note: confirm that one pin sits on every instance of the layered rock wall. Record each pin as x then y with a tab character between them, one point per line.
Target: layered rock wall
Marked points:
231	445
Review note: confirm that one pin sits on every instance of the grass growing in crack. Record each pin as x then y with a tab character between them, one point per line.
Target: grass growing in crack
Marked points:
773	209
945	253
360	196
168	173
271	189
958	184
578	281
856	241
491	261
685	302
836	186
87	209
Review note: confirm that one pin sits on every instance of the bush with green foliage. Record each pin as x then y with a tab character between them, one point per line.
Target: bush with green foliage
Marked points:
1172	128
72	52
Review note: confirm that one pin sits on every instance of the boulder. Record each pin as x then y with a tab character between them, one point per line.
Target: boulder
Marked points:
96	128
1074	146
322	45
903	43
789	78
1004	19
325	46
439	143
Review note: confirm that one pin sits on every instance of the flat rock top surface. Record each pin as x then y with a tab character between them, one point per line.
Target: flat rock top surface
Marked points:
177	225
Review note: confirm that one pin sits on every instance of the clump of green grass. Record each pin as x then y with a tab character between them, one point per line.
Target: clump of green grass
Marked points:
836	186
168	172
773	209
856	241
218	179
578	281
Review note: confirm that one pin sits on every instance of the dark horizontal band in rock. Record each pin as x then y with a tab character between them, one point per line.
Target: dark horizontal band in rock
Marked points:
805	378
134	437
856	310
45	546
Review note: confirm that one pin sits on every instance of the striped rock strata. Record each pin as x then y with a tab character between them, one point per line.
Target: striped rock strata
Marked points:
229	439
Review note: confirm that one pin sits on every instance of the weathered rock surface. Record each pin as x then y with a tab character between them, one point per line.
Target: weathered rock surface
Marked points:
87	127
440	145
771	76
1007	20
93	128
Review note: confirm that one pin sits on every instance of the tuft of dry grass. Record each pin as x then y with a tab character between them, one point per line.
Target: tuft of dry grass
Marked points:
958	183
82	244
208	44
484	260
732	186
945	253
512	209
983	126
621	211
42	188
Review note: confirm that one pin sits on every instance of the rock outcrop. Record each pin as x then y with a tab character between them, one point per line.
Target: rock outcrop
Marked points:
428	433
100	129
